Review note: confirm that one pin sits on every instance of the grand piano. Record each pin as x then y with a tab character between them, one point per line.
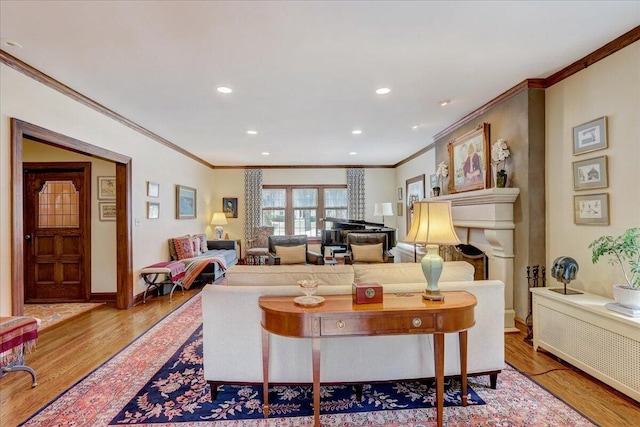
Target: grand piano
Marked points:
336	235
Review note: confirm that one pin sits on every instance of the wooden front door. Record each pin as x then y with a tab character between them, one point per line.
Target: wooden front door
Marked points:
57	241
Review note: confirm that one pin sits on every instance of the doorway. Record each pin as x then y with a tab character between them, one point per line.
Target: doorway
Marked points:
124	256
57	232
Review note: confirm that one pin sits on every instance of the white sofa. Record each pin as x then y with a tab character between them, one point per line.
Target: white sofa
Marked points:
233	340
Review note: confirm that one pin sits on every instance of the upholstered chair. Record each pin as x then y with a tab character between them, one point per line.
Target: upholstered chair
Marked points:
367	248
292	250
258	245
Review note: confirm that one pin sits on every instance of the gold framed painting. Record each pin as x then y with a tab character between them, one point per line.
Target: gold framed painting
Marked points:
591	209
469	160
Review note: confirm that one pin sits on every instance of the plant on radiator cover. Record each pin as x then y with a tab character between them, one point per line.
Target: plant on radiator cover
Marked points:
625	251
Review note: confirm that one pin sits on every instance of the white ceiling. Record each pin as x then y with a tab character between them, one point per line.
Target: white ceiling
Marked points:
303	73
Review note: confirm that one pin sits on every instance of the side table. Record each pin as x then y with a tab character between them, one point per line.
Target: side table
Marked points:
398	314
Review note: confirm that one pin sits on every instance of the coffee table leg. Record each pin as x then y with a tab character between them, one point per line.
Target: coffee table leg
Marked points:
316	381
462	338
438	349
265	372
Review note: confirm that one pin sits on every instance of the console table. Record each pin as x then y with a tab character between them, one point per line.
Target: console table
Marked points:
398	314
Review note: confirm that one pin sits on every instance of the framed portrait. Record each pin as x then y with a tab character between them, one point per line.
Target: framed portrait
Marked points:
469	160
415	192
591	209
590	136
106	187
107	211
399	193
153	210
230	207
185	202
153	189
590	173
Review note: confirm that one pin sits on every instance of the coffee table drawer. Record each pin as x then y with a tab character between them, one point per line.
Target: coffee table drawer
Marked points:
399	324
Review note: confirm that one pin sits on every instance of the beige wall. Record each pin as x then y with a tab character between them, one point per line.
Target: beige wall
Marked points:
609	88
26	99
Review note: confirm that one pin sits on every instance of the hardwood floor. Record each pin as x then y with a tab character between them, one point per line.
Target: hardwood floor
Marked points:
71	350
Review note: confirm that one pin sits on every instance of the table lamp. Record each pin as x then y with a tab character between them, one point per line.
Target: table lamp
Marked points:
432	225
382	209
219	219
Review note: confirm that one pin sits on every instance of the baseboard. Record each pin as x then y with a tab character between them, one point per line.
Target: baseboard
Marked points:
104	297
520	324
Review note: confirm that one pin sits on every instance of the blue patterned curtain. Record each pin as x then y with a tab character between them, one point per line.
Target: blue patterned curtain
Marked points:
355	193
252	200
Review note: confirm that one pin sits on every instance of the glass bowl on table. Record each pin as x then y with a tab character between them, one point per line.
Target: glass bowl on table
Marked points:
309	288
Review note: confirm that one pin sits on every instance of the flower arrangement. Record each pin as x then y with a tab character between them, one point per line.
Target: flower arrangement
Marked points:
499	153
442	172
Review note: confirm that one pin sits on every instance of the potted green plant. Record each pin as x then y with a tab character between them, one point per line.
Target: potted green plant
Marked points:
623	250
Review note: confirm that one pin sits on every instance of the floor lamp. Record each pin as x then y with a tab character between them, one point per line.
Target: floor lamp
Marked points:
432	225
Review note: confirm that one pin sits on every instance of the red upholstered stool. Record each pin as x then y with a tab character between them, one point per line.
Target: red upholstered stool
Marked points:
173	271
17	337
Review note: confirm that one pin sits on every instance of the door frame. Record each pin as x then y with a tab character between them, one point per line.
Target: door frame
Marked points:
83	168
124	247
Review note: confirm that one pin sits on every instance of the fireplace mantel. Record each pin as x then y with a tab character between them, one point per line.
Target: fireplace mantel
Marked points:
484	218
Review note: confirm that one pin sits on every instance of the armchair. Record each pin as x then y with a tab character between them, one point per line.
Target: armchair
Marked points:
284	250
364	254
258	245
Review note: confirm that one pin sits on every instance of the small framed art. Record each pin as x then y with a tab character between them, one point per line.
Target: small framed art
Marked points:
230	207
399	193
185	202
590	136
107	211
590	173
591	209
153	189
153	210
106	187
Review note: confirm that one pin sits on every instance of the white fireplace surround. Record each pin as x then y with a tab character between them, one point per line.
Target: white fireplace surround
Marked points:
484	218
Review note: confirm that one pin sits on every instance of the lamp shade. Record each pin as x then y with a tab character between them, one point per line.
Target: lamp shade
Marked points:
432	224
219	218
383	209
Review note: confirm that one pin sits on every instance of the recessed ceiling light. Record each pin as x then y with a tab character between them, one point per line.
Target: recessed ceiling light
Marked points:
444	102
356	132
415	127
353	153
383	91
224	89
252	132
265	153
12	43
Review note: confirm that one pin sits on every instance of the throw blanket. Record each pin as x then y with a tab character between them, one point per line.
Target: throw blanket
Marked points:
17	337
194	267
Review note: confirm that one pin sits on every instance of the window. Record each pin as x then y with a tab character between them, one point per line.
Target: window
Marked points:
298	209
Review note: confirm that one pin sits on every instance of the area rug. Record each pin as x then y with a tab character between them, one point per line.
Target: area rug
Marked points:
125	390
53	314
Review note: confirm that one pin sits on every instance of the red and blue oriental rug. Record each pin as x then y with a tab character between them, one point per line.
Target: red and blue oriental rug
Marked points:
158	381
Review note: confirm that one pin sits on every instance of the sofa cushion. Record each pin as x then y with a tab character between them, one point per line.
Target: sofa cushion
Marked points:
172	248
410	272
184	247
292	254
203	242
273	275
367	253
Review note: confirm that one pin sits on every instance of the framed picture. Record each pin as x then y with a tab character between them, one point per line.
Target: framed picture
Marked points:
399	193
433	180
590	173
230	207
415	192
153	210
107	211
469	160
590	136
106	187
399	208
153	189
591	209
185	202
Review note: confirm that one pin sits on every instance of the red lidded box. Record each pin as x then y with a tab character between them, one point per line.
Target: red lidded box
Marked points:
367	293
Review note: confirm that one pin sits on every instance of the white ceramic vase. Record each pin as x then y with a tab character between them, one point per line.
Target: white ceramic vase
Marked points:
627	296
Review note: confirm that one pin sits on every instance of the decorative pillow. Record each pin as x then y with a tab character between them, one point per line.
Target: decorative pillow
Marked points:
172	247
292	254
203	242
195	246
367	253
184	247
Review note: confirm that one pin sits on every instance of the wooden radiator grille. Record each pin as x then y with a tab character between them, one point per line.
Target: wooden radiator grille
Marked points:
605	351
